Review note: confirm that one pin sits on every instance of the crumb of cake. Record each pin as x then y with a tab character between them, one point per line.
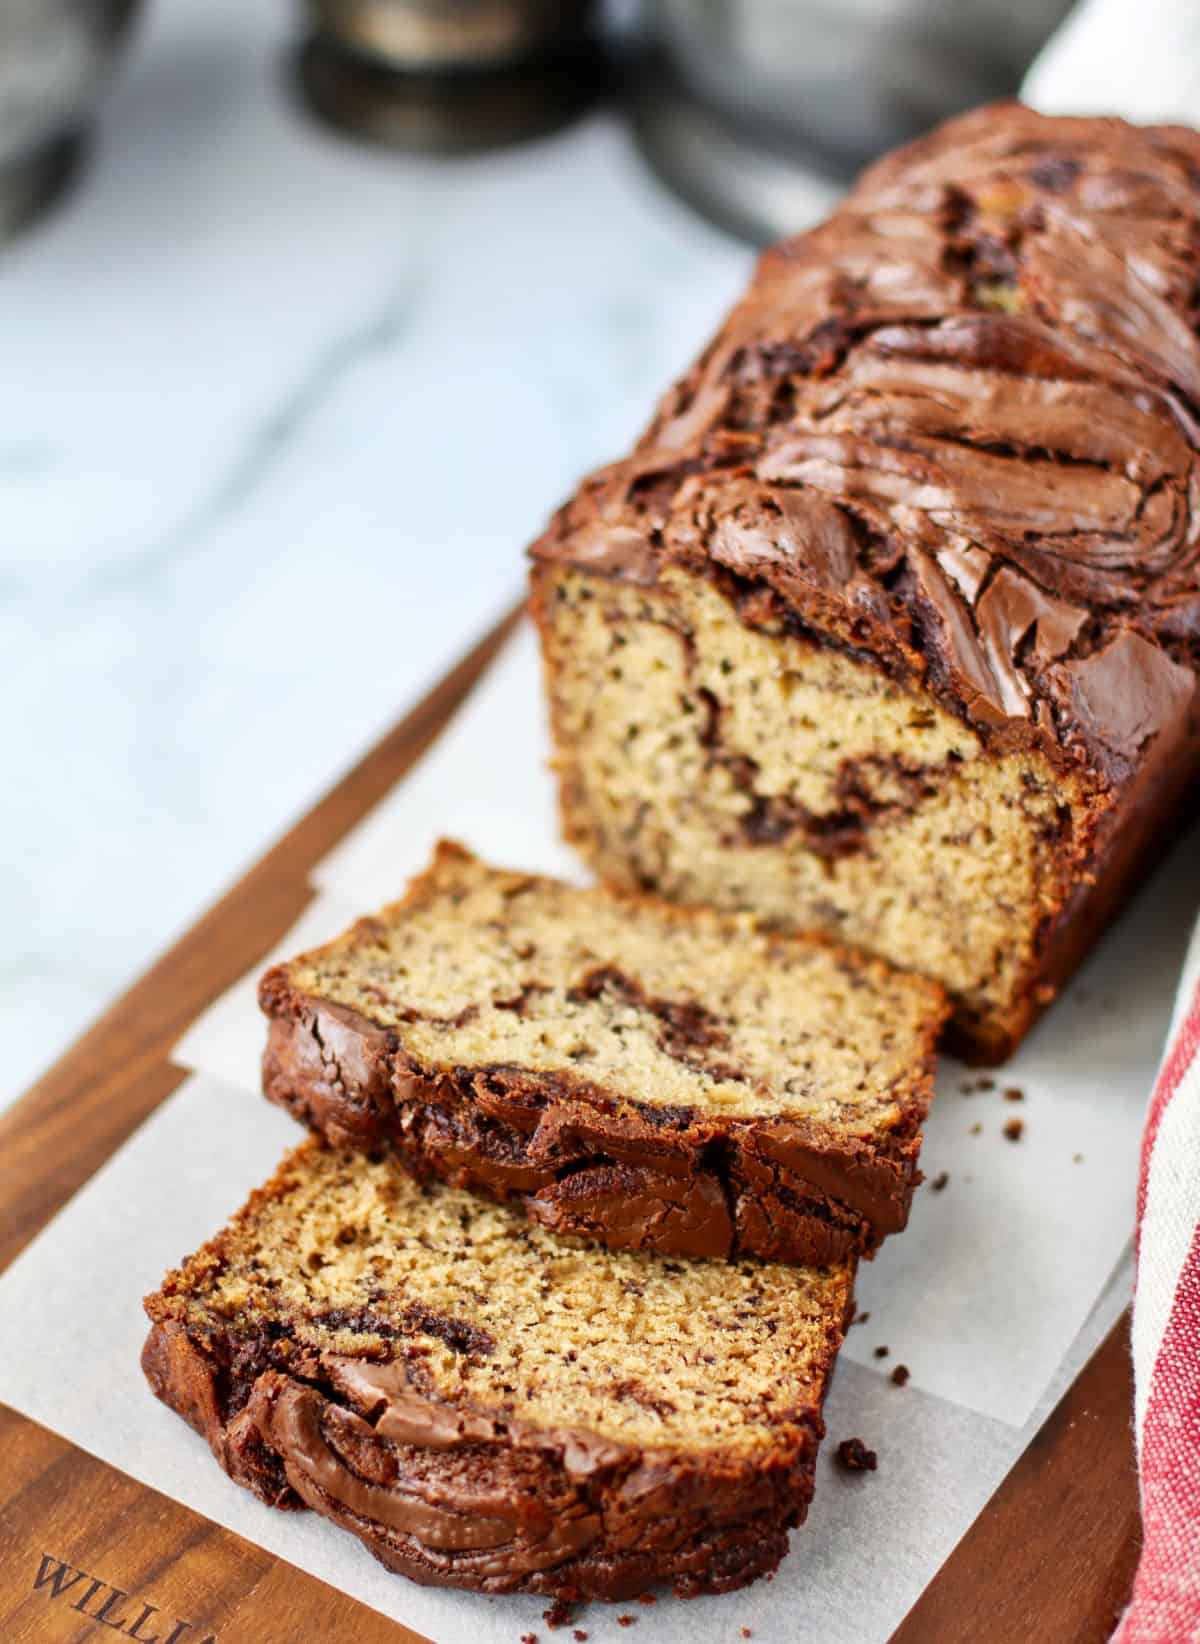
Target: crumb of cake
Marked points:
579	1635
881	1352
900	1374
747	1633
529	1638
939	1181
1013	1129
626	1620
560	1614
985	1083
976	1129
861	1318
1013	1094
854	1457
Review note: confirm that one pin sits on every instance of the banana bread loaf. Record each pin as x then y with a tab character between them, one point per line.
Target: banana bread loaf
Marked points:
891	623
650	1076
486	1406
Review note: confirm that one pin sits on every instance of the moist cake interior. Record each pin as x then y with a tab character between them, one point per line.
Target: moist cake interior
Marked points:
344	1255
483	968
726	765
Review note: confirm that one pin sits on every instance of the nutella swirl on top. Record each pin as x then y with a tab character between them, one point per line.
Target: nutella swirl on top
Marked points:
959	422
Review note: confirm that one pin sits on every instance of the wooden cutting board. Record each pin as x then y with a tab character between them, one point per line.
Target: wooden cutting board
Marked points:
88	1553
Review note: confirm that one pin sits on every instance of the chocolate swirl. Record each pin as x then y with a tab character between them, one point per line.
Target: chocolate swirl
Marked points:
460	1498
955	427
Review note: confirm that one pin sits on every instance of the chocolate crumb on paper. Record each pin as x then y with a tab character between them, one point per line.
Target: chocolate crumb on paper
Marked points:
854	1457
881	1352
939	1181
579	1636
1014	1129
560	1614
900	1375
529	1638
747	1632
627	1621
861	1318
1013	1094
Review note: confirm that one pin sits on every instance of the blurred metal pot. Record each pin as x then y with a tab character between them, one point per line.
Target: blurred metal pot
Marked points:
828	84
451	35
54	60
448	74
852	77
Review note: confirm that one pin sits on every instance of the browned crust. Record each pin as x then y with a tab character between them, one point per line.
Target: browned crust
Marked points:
634	1522
455	1496
1127	845
591	1162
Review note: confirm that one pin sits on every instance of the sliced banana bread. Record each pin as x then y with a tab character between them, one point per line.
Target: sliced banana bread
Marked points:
487	1406
650	1076
891	622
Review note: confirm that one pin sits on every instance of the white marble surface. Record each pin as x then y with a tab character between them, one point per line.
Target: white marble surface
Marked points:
279	414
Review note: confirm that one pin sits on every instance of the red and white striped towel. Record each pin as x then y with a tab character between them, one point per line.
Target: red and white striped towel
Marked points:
1165	1606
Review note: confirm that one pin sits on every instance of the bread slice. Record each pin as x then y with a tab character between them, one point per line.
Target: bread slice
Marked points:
649	1076
487	1406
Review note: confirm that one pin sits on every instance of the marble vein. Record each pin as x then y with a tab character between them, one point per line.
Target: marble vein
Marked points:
276	472
266	442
